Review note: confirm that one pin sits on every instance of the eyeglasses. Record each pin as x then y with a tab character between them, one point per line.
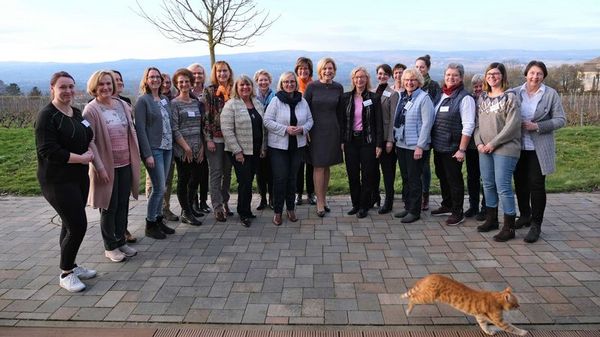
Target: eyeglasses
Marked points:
493	74
154	77
289	82
411	80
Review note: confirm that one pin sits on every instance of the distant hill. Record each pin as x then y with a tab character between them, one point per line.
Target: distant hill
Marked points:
29	74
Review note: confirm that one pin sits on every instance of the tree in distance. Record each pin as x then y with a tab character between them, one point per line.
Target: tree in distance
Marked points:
231	23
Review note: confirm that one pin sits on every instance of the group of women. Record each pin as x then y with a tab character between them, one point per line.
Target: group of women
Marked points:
94	157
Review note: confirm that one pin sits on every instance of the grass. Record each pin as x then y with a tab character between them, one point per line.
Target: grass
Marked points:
578	164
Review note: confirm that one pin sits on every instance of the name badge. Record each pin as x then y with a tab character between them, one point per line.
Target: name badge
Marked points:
85	123
408	105
444	108
495	108
191	113
164	102
387	94
367	102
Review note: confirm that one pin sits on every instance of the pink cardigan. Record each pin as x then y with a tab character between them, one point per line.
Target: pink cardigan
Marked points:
99	196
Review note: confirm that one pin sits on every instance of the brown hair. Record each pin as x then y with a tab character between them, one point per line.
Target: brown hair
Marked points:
502	69
304	61
55	78
144	88
213	73
182	72
538	64
427	59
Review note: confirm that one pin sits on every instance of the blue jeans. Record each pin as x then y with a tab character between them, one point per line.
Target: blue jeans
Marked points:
158	176
496	173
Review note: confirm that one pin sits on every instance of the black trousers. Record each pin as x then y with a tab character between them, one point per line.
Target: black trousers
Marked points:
474	179
361	167
387	161
113	221
69	200
530	187
285	165
411	171
310	183
203	191
449	172
264	177
188	179
245	175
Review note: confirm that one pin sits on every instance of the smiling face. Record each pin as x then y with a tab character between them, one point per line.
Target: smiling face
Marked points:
360	80
493	78
421	67
263	83
199	75
154	80
244	89
452	77
398	75
63	90
104	89
534	77
327	73
303	72
223	74
166	84
183	84
119	83
382	76
477	88
289	84
411	83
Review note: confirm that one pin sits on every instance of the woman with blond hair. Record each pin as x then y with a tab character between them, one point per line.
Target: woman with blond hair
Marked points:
215	97
362	139
323	97
115	170
245	143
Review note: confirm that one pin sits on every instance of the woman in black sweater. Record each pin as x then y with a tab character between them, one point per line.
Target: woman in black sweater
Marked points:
63	140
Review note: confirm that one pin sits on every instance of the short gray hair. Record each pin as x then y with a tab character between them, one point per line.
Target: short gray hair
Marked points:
457	66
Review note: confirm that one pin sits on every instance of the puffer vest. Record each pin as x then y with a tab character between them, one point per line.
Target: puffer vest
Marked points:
447	127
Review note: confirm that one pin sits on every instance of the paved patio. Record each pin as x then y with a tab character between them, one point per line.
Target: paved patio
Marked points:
335	271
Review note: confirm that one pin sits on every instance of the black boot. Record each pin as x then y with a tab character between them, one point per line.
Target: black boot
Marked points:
523	221
263	203
195	204
508	229
189	218
161	225
152	230
534	232
387	205
491	220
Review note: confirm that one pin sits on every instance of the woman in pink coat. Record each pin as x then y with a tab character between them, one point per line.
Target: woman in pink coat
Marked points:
115	170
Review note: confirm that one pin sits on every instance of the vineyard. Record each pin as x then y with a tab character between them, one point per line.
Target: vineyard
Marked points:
20	111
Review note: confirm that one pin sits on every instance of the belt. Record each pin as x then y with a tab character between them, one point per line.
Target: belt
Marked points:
357	133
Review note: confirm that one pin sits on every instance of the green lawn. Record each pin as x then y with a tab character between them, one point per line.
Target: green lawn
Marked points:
578	163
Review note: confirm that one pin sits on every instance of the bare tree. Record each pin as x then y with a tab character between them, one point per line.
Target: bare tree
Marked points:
230	23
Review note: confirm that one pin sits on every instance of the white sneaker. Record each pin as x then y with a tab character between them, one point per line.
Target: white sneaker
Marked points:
114	255
128	251
71	283
84	273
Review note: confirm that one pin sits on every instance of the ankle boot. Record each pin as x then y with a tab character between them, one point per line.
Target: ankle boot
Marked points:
195	204
491	220
425	201
189	218
161	225
508	229
152	230
387	205
523	221
534	232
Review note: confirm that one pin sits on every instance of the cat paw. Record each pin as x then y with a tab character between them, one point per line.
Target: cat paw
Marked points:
521	332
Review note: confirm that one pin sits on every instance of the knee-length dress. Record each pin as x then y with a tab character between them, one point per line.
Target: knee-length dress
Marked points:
325	146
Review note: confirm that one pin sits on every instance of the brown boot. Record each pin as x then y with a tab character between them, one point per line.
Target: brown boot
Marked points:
508	229
491	220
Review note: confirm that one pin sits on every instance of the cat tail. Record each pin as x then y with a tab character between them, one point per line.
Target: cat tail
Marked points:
408	293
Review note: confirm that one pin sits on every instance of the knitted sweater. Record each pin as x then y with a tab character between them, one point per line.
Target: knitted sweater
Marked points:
499	123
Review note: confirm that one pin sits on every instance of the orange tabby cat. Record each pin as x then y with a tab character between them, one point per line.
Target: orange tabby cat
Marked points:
486	306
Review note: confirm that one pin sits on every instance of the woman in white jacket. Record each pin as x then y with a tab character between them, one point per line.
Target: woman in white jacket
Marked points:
287	120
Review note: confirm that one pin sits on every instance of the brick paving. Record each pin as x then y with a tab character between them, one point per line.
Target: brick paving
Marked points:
334	271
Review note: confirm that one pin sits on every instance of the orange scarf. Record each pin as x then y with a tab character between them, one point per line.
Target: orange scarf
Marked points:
224	91
303	83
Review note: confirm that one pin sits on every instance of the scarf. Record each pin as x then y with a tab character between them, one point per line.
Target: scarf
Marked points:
449	90
223	91
303	83
291	100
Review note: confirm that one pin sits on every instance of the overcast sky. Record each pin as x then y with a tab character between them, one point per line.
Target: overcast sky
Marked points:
107	30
